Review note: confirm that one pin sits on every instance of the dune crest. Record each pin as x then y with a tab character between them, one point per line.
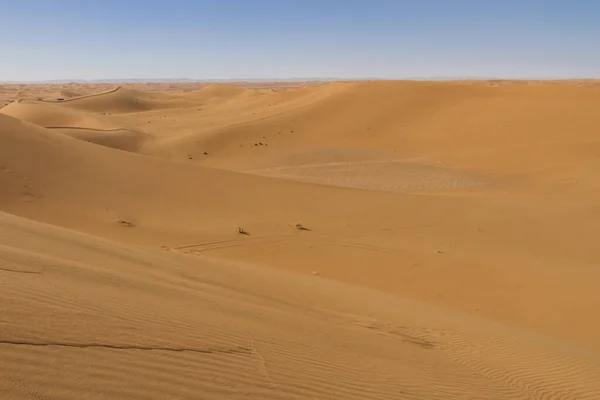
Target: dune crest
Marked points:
51	115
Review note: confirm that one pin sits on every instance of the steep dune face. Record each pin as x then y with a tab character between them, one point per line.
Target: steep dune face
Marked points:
51	115
120	101
331	289
118	138
215	91
92	126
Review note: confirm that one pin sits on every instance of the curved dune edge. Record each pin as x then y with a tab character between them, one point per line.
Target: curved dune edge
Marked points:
84	96
121	101
49	115
117	101
121	139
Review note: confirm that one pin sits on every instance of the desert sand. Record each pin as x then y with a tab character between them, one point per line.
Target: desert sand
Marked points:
348	240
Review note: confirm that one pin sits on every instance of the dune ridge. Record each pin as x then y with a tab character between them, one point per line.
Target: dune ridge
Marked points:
84	96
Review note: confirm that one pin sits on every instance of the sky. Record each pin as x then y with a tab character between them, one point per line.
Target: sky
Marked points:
279	39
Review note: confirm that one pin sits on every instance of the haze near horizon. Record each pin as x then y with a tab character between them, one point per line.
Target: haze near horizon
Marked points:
268	39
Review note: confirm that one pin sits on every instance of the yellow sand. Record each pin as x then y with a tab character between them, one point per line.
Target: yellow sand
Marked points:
403	240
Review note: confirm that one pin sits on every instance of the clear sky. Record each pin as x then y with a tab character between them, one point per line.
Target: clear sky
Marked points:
222	39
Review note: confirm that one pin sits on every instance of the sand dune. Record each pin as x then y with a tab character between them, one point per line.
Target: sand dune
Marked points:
121	100
119	138
51	115
405	240
89	117
215	90
82	125
500	131
146	324
473	132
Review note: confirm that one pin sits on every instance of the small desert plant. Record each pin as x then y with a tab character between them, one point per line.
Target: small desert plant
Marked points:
124	222
301	227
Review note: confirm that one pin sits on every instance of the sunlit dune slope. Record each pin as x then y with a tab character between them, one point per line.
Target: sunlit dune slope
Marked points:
51	115
147	324
120	101
428	247
119	138
526	133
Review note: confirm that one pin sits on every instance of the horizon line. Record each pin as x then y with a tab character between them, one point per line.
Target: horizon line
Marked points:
305	79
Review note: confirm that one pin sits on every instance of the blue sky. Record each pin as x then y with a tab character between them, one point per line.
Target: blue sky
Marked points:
222	39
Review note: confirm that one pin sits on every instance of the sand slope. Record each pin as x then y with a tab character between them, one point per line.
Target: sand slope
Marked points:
395	136
145	324
118	101
89	126
482	133
50	115
467	270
